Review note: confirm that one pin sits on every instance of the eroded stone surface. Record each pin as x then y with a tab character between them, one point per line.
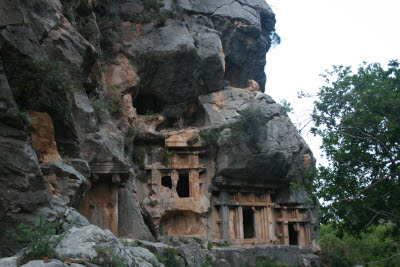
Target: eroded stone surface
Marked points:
41	131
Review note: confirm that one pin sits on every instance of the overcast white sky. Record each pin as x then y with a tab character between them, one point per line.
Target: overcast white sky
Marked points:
317	34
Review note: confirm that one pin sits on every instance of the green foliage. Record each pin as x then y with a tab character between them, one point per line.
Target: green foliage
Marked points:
209	246
153	4
165	156
373	245
210	138
153	203
183	240
84	26
193	140
111	102
169	257
107	257
250	128
161	19
149	112
357	117
195	41
42	86
24	117
209	262
38	241
267	263
287	106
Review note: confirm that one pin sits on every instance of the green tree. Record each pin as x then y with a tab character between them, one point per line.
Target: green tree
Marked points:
358	118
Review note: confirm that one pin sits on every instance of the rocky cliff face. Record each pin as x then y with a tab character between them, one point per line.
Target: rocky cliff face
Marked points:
149	118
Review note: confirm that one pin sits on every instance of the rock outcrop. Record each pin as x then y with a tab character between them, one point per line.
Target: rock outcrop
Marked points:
147	120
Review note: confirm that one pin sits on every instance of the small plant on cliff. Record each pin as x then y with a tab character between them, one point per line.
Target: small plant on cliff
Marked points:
192	141
209	246
106	256
42	86
153	4
165	156
38	241
250	127
210	138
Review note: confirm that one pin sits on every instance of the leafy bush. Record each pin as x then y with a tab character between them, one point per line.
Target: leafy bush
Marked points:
209	262
250	127
42	86
165	156
192	141
209	246
107	257
110	102
38	241
348	250
210	138
153	4
161	19
171	260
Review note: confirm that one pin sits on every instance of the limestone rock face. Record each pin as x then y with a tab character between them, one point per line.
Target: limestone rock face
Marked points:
22	190
138	131
278	156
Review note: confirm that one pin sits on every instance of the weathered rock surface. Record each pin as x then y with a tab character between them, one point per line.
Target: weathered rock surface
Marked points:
41	131
79	243
146	80
290	255
22	190
52	263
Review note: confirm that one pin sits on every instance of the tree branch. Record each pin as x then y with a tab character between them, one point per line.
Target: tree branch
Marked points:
370	186
386	259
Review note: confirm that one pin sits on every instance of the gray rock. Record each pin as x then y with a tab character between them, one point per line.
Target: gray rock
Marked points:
154	247
73	217
52	263
80	242
144	254
22	190
70	182
212	61
9	262
130	222
248	256
278	158
167	59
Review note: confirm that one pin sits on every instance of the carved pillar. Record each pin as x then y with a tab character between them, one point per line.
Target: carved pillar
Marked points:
225	216
270	219
285	226
240	213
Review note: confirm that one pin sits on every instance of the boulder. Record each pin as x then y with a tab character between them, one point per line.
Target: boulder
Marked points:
145	254
80	243
64	182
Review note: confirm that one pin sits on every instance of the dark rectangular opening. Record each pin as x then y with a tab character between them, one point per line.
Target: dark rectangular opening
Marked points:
248	223
182	188
292	235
